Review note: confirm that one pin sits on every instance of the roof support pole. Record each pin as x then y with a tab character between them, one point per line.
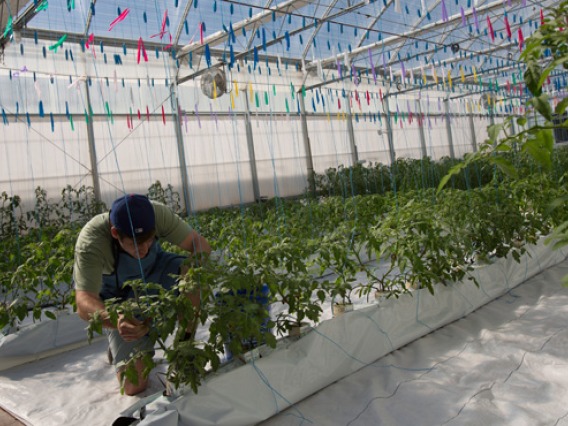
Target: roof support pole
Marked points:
388	119
181	149
492	113
449	128
307	145
421	129
250	145
92	147
351	132
472	129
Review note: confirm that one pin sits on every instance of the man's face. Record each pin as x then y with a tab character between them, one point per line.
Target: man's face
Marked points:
136	250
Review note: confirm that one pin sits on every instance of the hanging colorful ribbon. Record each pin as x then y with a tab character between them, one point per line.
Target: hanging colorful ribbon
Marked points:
372	66
434	74
119	19
508	28
170	44
8	29
141	50
444	12
475	20
163	28
58	43
521	40
490	29
42	6
90	40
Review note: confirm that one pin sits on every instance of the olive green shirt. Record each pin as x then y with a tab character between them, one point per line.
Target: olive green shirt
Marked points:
93	250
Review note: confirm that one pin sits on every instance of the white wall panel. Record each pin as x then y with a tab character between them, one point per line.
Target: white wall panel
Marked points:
280	155
37	156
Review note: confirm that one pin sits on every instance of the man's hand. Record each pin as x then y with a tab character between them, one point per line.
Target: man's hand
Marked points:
131	329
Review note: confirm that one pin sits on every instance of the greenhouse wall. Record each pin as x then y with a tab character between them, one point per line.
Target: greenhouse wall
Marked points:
115	122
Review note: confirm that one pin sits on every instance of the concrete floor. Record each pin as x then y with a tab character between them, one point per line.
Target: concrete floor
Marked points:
7	419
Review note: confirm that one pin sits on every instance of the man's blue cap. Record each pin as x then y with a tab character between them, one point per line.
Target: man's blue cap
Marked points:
133	215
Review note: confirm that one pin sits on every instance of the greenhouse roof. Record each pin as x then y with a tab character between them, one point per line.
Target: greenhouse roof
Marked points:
390	37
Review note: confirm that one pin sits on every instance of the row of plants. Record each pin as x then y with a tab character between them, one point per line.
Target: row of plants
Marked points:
37	248
407	174
312	251
403	175
306	252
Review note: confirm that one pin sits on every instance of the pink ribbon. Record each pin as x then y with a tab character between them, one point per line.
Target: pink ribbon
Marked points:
508	28
141	49
163	29
119	19
521	40
490	27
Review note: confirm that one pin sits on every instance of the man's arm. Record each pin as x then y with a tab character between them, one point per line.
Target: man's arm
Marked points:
195	243
88	303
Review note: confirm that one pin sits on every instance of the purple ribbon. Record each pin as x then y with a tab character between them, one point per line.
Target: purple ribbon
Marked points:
372	66
444	12
197	116
475	19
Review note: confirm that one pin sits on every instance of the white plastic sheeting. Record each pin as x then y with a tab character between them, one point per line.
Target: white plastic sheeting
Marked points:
503	365
34	341
338	348
482	358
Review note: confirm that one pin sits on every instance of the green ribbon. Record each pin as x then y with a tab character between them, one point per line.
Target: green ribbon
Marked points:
59	43
8	27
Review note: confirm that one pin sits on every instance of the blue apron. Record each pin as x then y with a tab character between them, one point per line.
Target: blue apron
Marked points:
156	267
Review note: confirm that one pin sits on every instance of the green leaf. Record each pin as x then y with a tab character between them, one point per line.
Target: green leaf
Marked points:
50	315
493	131
521	121
537	148
561	107
542	105
503	147
504	165
552	65
452	172
532	78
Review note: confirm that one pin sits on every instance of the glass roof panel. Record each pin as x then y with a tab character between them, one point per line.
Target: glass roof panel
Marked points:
408	33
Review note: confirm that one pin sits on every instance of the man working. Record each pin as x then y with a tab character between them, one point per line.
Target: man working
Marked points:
119	246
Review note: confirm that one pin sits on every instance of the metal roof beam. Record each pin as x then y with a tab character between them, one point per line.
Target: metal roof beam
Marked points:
324	18
416	24
22	18
179	29
7	9
264	16
78	38
89	18
513	27
255	28
412	33
412	70
375	20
